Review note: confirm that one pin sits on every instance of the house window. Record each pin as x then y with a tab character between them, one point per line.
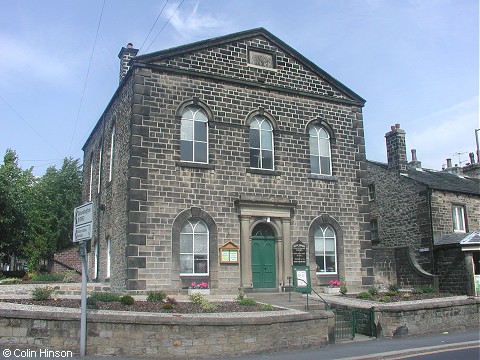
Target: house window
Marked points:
325	250
374	230
112	148
261	143
194	135
90	185
194	240
320	156
458	217
108	257
99	169
371	192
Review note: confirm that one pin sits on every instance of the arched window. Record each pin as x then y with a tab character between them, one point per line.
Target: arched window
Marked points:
261	143
325	250
112	149
194	240
320	156
194	135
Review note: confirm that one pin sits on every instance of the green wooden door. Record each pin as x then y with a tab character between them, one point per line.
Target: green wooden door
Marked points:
263	258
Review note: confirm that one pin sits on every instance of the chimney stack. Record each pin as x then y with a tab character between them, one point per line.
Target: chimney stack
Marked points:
396	149
449	163
125	55
415	163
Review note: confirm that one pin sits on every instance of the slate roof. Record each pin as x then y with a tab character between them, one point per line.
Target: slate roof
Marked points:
464	239
440	180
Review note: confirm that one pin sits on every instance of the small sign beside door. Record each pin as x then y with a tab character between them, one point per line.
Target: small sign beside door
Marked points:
228	254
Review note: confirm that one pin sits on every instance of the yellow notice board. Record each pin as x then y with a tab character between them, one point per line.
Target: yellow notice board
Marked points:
229	253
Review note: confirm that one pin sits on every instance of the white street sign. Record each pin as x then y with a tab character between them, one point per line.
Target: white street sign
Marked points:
83	222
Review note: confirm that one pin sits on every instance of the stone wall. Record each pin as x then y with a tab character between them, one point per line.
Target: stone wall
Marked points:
452	266
384	266
166	336
427	318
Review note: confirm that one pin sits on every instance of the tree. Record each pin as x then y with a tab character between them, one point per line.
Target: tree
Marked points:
15	200
56	194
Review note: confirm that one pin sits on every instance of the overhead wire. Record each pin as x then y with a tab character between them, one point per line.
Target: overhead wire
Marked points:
171	16
155	23
86	77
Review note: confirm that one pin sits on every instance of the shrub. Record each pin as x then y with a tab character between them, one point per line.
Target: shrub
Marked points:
343	289
373	290
393	287
156	296
364	295
197	298
424	290
207	306
406	295
91	303
47	277
69	276
167	306
10	281
241	295
2	276
391	293
384	299
105	296
171	300
266	307
42	293
127	300
247	302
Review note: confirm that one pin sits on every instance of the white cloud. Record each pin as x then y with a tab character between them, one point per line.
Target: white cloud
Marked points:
448	133
192	22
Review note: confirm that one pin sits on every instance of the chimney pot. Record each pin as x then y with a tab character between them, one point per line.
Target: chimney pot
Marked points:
392	127
449	163
129	45
397	126
414	155
472	158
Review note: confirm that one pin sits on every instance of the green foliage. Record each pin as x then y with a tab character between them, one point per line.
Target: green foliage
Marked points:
364	295
247	302
127	300
343	289
197	298
406	295
241	295
393	287
91	303
156	296
391	293
384	299
16	191
105	296
10	281
168	306
47	277
373	290
42	293
69	276
266	307
207	306
424	290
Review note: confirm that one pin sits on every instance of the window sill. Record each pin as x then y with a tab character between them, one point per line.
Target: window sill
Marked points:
322	177
263	172
188	164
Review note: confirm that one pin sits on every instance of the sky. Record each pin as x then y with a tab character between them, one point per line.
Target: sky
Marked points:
416	62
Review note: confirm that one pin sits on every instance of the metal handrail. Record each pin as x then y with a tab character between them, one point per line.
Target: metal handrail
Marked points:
327	306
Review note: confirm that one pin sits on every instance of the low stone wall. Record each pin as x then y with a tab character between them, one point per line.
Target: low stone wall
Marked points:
423	318
163	335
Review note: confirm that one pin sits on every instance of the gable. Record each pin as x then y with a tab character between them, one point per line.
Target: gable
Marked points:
254	57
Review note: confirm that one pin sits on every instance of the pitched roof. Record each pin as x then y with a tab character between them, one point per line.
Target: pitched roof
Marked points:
440	180
218	41
464	239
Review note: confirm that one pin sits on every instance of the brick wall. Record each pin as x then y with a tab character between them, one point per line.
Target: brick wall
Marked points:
66	261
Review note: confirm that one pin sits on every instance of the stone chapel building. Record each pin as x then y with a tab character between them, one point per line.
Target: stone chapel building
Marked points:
237	141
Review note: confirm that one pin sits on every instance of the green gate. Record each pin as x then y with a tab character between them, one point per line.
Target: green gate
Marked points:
349	322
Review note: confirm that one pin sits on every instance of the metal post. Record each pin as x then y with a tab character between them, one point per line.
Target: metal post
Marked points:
83	314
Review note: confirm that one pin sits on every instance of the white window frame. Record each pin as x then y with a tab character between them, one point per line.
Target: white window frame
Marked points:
193	223
100	169
95	268
374	229
192	111
112	149
317	130
371	192
458	219
109	244
323	229
260	120
90	185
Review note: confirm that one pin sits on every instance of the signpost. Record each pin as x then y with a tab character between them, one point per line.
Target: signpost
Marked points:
82	232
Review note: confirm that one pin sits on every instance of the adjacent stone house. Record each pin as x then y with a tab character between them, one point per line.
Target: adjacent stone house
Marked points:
424	223
212	159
